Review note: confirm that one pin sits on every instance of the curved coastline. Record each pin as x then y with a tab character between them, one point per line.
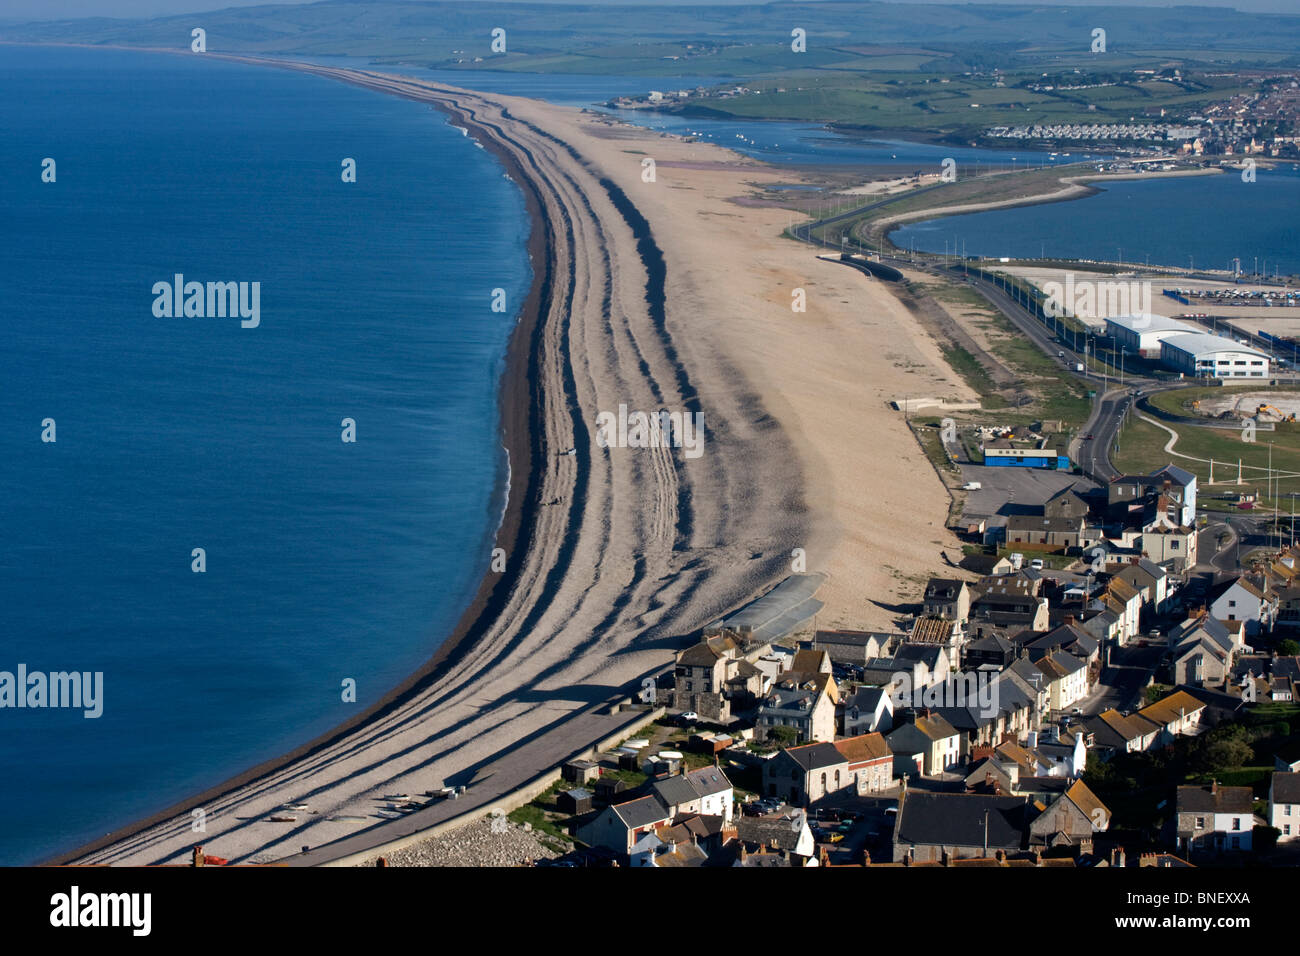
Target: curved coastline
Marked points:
597	589
512	533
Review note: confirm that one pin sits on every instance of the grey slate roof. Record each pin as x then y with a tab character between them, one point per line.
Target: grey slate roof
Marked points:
958	819
641	812
1286	788
674	791
1225	800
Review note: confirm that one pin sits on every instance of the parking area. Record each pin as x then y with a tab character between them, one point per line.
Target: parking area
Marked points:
1015	487
846	826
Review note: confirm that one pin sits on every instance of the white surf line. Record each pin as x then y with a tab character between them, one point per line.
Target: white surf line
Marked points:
1169	450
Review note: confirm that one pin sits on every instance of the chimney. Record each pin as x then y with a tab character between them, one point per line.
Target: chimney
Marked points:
196	857
1001	857
907	860
1214	785
1117	857
1038	857
742	855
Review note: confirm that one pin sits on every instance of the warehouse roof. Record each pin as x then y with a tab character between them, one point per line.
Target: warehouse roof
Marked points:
1199	343
1151	323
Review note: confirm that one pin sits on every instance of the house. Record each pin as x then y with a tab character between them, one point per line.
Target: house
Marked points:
689	840
993	651
871	762
1201	652
948	598
705	791
803	775
1117	733
1241	599
1069	637
1070	819
1177	485
929	738
1287	759
939	632
1105	625
868	709
932	827
1031	681
1148	579
1175	714
925	664
1066	503
1046	534
1172	545
1214	819
991	776
785	836
1012	602
1284	806
1066	677
712	675
854	647
805	703
1126	601
986	564
1288	613
620	826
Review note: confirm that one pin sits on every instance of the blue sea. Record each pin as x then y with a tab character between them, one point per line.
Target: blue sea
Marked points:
1203	222
325	560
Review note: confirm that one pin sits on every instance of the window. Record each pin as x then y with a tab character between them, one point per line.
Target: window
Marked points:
1232	604
1236	843
1286	829
1286	811
1200	823
1236	823
1173	545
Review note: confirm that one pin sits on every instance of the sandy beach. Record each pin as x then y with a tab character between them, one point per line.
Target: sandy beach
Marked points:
664	294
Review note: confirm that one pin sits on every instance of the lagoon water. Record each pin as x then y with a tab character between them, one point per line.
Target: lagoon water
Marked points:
325	560
1202	222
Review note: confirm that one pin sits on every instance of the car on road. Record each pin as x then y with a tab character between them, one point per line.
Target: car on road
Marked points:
1089	437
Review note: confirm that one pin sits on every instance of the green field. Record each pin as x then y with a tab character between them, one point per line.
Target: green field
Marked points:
1141	447
860	64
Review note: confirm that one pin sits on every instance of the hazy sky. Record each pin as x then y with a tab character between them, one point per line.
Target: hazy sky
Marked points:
62	9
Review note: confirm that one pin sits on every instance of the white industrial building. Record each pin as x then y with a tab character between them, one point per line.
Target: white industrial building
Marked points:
1205	355
1143	334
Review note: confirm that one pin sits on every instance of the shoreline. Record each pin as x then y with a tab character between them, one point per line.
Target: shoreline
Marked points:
599	591
512	532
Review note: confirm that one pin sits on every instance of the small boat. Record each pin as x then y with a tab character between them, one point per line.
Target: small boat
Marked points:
283	818
298	807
